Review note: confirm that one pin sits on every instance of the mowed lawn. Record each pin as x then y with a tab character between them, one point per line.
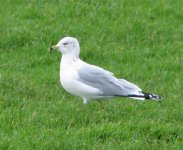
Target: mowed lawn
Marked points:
141	41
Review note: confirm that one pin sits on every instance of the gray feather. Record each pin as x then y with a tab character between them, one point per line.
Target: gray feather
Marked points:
106	82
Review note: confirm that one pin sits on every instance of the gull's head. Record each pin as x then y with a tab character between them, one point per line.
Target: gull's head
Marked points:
67	45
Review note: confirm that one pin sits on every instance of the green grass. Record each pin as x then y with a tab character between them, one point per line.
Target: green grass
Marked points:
141	41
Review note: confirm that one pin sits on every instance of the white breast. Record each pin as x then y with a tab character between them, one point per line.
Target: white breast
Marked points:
69	80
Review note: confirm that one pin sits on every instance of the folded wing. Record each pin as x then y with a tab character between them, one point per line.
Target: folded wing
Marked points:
105	81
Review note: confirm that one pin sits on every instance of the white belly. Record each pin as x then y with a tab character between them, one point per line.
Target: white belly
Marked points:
70	82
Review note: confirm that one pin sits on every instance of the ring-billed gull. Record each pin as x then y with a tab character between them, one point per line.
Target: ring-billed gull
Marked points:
91	82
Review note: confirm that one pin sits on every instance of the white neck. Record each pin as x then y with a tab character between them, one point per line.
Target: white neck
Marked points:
68	59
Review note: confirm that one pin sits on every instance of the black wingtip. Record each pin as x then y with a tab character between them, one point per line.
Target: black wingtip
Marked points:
146	96
149	96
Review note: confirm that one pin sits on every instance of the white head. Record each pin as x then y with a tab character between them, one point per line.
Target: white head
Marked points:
68	45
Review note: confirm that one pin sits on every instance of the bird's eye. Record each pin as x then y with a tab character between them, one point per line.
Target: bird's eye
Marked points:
65	43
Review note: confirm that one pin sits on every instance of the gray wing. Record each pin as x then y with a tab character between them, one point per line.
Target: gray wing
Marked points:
105	81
